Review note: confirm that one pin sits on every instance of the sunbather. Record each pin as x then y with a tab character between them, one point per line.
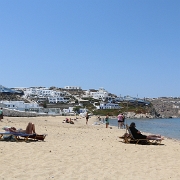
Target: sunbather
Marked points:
30	129
137	134
68	121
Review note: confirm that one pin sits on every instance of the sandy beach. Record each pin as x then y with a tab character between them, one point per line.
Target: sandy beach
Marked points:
80	152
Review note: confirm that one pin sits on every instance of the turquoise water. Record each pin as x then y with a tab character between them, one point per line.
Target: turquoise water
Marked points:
169	128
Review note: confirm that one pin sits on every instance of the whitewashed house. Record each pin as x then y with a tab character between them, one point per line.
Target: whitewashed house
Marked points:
58	99
43	92
72	87
104	105
100	94
21	105
69	111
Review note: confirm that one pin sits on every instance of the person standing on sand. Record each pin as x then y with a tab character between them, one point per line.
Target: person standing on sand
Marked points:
87	118
120	120
1	114
107	121
123	121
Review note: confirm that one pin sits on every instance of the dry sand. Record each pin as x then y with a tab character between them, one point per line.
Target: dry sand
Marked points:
84	152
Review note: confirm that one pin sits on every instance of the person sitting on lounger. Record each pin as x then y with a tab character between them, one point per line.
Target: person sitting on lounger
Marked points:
30	129
137	134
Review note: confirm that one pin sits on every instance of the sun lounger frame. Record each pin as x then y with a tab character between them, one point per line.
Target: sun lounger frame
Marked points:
21	136
130	138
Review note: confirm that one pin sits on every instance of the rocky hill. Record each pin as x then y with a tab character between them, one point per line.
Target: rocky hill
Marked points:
166	107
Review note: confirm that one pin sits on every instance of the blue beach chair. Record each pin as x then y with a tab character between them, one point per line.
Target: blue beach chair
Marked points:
21	136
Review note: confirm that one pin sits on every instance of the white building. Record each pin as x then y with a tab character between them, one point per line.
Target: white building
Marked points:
69	111
43	92
58	99
100	94
108	106
175	106
72	87
21	105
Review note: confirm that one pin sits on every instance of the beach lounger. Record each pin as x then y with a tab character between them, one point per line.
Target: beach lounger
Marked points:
130	139
22	136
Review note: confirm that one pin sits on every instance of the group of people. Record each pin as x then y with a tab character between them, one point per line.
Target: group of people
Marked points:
121	121
106	119
136	133
30	129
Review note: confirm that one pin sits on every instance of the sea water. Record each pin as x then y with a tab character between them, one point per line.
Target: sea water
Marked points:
169	128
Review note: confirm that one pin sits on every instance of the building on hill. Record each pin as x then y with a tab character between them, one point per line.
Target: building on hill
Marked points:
100	94
136	101
58	99
72	87
73	90
104	105
43	92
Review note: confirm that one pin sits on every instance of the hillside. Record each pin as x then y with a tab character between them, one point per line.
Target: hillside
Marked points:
159	107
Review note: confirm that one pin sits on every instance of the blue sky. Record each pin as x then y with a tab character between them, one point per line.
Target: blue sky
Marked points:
128	47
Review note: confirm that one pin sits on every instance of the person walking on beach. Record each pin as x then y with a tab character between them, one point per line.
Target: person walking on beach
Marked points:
120	121
87	118
1	114
107	121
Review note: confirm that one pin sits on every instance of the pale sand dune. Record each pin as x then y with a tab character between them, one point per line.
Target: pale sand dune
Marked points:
80	152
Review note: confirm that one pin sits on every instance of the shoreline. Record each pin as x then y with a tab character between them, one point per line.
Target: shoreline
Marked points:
154	126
